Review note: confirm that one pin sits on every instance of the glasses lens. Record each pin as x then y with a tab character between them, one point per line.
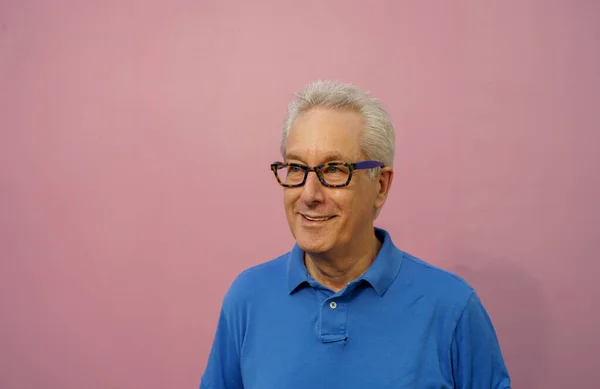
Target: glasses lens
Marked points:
336	174
291	175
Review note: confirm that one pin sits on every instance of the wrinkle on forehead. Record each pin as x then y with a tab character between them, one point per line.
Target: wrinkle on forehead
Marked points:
319	157
326	135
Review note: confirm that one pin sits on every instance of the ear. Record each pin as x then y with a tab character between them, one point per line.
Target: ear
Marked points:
384	183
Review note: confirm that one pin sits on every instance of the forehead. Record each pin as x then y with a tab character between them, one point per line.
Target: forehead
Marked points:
322	134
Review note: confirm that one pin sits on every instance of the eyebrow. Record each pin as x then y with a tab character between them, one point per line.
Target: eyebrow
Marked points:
334	156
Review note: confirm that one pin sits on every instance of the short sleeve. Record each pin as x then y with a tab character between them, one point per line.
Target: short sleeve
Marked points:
223	367
477	361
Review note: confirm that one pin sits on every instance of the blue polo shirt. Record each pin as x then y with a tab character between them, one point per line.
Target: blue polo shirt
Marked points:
402	324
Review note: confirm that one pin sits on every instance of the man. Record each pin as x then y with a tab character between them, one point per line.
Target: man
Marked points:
346	308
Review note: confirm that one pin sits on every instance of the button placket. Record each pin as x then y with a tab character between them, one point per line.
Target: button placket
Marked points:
333	318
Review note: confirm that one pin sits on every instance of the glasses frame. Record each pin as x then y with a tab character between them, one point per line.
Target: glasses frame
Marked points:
275	166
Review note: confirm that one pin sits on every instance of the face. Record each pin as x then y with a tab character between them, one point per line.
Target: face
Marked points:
329	220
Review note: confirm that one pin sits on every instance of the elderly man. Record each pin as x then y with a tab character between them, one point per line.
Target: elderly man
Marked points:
346	308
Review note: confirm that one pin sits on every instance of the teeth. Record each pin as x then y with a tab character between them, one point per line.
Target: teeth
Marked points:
317	219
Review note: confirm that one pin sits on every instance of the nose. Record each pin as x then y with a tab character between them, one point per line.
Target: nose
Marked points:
312	191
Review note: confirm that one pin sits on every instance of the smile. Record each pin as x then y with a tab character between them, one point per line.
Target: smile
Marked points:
318	219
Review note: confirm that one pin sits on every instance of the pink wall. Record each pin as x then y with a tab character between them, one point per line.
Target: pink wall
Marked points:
123	123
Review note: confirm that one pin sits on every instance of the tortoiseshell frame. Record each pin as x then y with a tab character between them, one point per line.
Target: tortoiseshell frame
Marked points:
317	169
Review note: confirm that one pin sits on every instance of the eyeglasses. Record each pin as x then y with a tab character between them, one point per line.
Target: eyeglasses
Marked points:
330	174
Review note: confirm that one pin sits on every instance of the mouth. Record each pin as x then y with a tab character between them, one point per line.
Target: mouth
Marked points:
317	218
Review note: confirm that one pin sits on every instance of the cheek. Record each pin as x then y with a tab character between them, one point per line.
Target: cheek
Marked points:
347	203
360	203
289	199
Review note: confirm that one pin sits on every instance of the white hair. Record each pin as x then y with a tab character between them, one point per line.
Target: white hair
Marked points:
378	138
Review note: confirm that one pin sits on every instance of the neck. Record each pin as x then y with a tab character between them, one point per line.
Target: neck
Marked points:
336	270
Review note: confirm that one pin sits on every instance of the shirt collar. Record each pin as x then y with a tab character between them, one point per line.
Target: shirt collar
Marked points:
380	275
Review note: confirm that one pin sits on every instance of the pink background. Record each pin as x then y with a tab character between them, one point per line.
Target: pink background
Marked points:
125	127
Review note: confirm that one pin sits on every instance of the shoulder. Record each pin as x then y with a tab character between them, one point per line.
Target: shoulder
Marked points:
436	282
257	280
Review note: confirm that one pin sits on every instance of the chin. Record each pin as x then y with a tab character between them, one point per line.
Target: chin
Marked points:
313	246
313	241
314	237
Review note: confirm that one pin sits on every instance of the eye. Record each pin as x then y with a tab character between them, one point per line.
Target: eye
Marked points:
294	169
332	170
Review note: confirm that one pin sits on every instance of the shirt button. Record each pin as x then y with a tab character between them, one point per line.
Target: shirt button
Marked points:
332	305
